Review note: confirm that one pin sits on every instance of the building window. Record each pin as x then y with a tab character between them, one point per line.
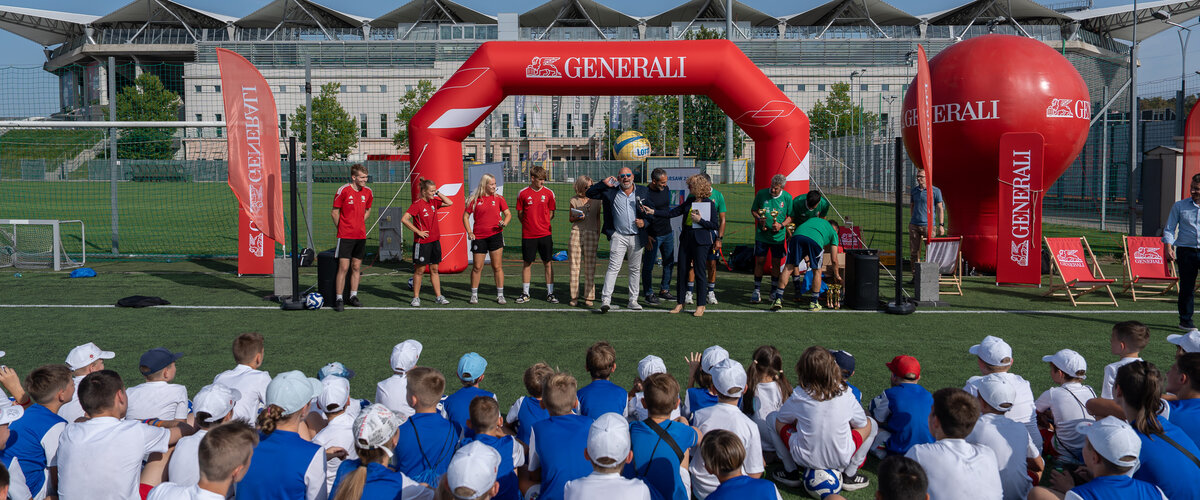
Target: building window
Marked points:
884	87
570	126
820	87
504	126
282	125
362	122
554	125
383	125
782	87
800	87
637	121
199	117
217	88
199	89
524	125
282	89
342	89
383	88
864	87
219	129
584	125
409	88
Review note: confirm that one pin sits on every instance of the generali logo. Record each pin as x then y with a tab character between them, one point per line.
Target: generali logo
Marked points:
1148	255
1020	253
1070	258
620	67
1069	108
542	67
256	244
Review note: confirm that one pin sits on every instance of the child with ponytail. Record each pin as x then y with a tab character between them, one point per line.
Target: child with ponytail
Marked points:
421	218
1168	456
768	386
369	476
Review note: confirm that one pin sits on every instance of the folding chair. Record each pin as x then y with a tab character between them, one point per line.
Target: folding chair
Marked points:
1147	270
947	253
1070	257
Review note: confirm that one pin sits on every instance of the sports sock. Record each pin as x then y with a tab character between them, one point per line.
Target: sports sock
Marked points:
353	293
525	288
691	286
778	293
549	288
339	296
757	283
474	292
500	291
712	286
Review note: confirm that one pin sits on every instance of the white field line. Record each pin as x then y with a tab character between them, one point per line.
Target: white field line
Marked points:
578	310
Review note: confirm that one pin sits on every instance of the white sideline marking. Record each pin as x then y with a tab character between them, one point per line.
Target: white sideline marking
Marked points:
578	310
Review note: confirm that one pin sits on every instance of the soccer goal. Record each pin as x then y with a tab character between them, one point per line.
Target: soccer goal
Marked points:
42	244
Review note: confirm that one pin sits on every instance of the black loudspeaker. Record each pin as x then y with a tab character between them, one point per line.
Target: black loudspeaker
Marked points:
862	280
327	267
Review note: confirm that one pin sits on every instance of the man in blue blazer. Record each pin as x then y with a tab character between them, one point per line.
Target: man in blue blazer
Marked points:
625	226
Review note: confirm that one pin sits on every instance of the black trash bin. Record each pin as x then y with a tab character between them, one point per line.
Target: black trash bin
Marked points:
862	279
327	267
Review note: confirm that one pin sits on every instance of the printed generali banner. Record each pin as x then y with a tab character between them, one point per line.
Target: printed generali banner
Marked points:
252	127
1019	224
1191	151
925	133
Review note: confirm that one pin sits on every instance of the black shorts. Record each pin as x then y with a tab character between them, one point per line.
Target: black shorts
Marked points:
350	249
427	253
489	244
532	248
761	249
803	246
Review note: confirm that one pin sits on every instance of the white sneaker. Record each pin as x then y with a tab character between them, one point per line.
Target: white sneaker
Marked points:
712	297
755	297
634	306
416	302
441	300
687	298
473	300
500	300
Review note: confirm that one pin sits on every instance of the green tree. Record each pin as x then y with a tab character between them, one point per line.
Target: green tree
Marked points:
334	132
147	100
837	116
410	103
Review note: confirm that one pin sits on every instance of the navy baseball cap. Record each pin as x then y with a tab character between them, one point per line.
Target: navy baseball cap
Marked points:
156	359
844	360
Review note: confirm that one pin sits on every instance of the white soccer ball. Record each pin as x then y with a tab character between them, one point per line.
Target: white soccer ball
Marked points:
314	301
821	483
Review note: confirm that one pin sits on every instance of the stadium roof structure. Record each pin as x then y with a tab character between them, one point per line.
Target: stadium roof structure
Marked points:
576	13
1117	22
853	13
695	11
45	27
432	12
1018	11
141	13
300	12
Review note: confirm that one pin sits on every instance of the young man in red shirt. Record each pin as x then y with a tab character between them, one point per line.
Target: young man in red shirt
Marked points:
535	208
351	207
422	219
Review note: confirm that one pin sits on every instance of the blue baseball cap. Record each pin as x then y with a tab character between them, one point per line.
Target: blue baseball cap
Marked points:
845	360
156	359
471	366
336	369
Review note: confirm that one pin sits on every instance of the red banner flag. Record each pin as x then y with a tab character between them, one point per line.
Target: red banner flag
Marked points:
1191	152
256	252
1019	244
253	131
925	133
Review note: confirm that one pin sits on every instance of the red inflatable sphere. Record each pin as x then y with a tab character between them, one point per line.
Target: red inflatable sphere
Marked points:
983	88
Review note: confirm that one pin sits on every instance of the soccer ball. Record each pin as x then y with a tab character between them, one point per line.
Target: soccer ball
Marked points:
314	301
821	483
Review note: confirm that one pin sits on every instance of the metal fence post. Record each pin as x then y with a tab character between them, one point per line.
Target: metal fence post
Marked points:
114	165
1104	164
308	170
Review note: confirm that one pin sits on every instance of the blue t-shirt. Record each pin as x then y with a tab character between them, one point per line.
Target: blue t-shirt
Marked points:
528	415
917	195
1119	487
560	442
278	466
1185	414
425	462
697	399
600	397
745	488
853	390
506	474
655	462
908	421
382	482
25	444
1164	466
458	406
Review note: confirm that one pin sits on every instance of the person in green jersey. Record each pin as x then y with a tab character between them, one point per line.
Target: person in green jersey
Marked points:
770	212
811	241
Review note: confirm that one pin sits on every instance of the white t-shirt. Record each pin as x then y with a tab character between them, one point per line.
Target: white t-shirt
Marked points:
17	490
392	392
157	400
101	459
176	491
184	467
635	411
597	486
338	432
957	469
71	410
1110	376
767	399
1067	403
1022	410
822	439
252	384
730	418
1012	446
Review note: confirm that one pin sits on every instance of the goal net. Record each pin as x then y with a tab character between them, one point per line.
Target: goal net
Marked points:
42	244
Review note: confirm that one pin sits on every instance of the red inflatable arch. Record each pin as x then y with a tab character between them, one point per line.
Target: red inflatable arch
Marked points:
715	68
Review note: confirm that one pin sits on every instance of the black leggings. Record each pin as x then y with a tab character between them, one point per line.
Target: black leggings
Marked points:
692	257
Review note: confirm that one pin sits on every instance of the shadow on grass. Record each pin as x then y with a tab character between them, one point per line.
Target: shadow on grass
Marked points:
210	281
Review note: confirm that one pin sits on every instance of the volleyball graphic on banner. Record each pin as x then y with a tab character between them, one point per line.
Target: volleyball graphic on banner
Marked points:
631	145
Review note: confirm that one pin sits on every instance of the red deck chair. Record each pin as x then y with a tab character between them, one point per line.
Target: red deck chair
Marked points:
1147	270
1070	258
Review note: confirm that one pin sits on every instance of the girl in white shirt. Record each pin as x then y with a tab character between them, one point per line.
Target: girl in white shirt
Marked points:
768	385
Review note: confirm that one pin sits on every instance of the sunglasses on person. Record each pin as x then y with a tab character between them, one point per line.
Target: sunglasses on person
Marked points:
625	175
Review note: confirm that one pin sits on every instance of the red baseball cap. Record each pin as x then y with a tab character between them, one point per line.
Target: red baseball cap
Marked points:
904	366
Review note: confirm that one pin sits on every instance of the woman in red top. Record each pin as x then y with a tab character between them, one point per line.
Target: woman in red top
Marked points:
421	219
487	236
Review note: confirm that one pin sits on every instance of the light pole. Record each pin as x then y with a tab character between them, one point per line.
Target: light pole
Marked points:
1185	35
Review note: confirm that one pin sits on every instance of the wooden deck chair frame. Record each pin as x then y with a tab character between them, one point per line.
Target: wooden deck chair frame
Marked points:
1149	288
948	277
1075	289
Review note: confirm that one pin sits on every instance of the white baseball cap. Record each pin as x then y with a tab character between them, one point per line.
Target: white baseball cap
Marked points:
474	467
10	412
86	354
335	391
217	400
1113	439
292	390
1	354
1190	341
650	365
609	438
997	391
729	378
405	355
375	426
712	356
1070	362
993	351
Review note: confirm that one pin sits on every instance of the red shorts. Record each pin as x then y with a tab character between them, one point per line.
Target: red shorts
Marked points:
786	435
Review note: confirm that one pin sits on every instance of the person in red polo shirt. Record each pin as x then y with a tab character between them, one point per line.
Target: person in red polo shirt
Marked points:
491	216
351	207
535	207
421	218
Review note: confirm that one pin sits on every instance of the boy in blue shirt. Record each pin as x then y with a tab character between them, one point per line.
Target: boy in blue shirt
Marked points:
426	441
486	427
1111	451
723	455
527	411
557	443
903	410
458	405
33	440
1183	380
660	444
601	396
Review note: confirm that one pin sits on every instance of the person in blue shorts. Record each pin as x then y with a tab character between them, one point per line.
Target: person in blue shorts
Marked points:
723	455
1111	451
811	241
660	444
557	443
458	405
601	396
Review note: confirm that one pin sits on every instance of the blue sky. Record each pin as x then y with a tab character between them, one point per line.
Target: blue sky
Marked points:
1160	55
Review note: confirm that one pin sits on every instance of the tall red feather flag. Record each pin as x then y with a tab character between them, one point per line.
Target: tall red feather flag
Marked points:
925	134
252	124
1191	151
